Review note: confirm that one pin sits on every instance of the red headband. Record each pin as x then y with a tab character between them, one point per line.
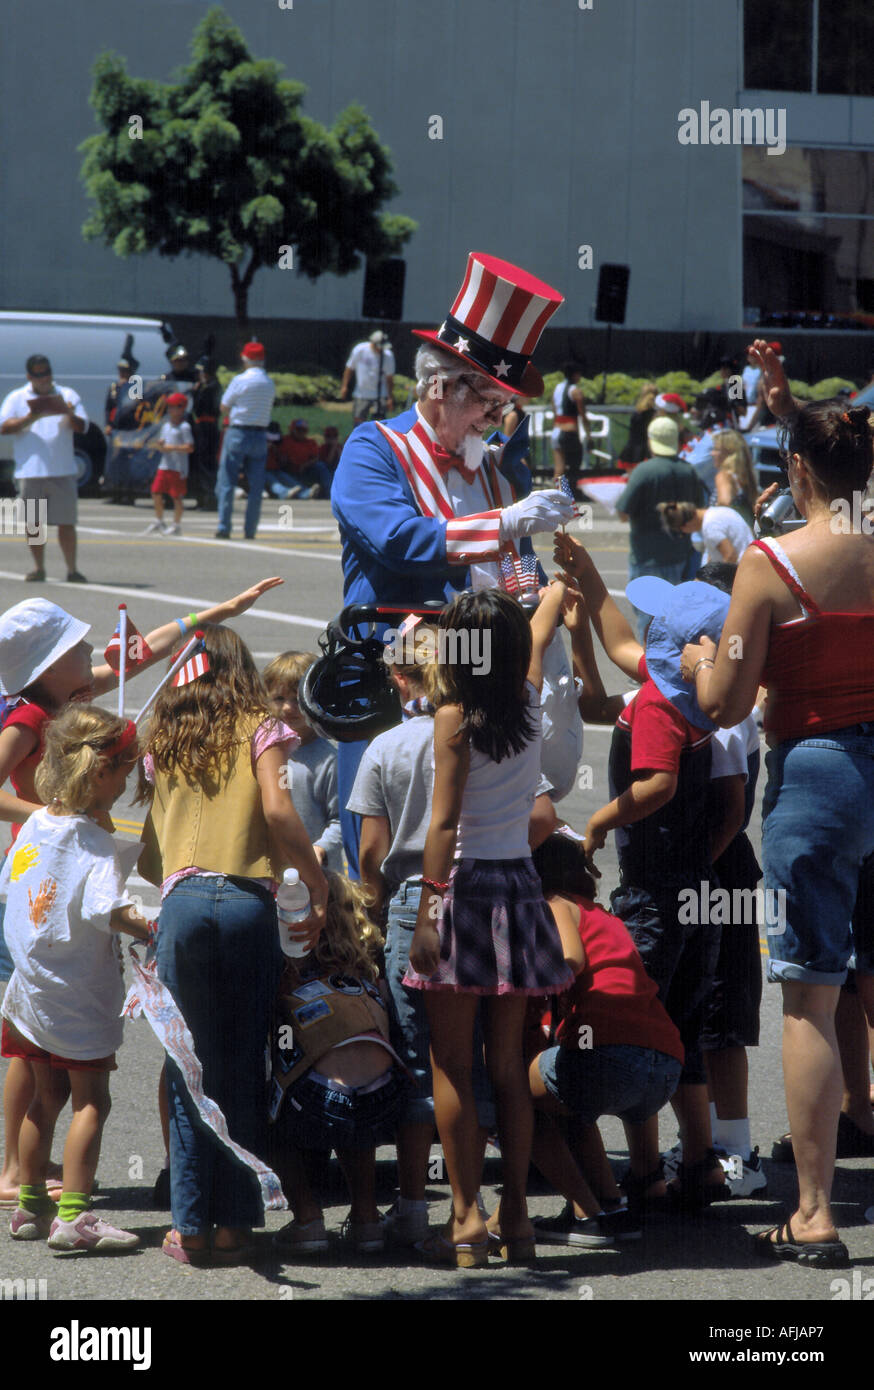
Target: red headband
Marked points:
123	741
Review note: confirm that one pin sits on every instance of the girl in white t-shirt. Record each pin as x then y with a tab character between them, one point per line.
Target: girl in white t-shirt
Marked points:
63	882
496	937
723	530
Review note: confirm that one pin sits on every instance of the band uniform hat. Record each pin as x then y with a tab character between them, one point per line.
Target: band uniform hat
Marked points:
663	437
178	351
496	321
693	608
34	635
253	351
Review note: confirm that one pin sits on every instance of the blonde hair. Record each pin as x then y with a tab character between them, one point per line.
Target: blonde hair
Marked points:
423	653
285	672
646	399
75	748
737	460
350	940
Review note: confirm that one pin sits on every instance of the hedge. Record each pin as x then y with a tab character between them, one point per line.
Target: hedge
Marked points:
293	389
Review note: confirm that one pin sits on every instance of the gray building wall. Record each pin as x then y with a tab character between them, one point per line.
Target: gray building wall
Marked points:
560	129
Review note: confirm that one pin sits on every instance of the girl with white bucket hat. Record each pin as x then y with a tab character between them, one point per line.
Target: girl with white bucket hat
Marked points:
45	662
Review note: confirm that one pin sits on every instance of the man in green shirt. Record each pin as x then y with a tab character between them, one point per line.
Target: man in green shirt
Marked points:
662	478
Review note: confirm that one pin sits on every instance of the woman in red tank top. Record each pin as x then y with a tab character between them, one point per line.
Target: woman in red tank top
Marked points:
801	623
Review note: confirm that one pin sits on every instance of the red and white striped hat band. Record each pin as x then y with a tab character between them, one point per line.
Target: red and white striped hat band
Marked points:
496	321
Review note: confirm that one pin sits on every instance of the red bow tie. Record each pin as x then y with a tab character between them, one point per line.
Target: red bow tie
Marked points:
446	462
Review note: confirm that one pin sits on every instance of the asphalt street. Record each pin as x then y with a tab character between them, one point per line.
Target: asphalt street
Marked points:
704	1258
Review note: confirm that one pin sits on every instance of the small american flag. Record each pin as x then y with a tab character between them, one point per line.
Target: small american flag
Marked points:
527	570
138	649
196	665
509	578
565	487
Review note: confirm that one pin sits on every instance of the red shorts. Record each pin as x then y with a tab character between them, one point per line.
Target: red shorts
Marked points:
14	1044
169	482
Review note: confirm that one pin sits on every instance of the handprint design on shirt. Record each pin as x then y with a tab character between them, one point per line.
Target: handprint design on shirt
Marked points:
42	904
22	860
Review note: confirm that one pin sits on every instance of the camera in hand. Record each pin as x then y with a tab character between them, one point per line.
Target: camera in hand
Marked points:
779	516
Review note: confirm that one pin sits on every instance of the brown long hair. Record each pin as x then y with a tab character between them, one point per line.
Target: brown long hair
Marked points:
194	727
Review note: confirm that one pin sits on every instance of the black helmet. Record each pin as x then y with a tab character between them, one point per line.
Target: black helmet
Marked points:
348	694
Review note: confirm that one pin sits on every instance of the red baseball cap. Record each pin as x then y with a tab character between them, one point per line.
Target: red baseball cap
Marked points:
254	350
177	398
776	347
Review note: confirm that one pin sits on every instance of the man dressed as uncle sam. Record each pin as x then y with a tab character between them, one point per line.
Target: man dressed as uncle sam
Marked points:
424	508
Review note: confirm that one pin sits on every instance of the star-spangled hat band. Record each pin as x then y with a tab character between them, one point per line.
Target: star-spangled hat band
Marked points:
496	321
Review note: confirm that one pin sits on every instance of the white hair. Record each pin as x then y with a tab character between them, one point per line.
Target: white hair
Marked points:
433	364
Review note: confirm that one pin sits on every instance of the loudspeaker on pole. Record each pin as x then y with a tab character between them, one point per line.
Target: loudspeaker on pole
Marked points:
384	290
612	293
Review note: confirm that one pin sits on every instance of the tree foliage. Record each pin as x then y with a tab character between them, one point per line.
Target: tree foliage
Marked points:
228	165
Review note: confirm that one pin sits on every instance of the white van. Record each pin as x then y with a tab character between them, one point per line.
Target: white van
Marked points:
84	350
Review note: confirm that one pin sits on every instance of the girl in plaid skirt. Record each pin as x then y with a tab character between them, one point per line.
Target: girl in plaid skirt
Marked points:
484	930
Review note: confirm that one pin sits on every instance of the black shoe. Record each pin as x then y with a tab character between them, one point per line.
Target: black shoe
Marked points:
250	535
75	577
161	1190
223	535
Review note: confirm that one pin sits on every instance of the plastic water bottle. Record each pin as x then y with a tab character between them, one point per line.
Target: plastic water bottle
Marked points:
292	907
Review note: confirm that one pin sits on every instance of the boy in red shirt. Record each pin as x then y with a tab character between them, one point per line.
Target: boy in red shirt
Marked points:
659	774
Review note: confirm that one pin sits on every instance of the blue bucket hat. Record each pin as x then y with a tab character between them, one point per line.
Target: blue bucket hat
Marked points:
681	613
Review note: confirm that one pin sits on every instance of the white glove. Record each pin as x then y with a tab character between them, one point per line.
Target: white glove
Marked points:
540	511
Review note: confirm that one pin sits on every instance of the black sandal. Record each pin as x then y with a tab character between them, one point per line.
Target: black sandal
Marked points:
823	1254
691	1191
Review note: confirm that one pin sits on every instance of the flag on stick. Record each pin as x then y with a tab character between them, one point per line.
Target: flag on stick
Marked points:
197	665
128	640
182	658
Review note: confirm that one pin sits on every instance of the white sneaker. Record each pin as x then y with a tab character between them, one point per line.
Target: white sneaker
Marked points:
154	528
88	1232
173	529
240	492
408	1228
744	1176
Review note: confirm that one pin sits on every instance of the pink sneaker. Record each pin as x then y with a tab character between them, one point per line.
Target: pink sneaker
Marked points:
88	1232
24	1225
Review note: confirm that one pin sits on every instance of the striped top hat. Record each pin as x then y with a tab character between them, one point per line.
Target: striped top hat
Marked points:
496	321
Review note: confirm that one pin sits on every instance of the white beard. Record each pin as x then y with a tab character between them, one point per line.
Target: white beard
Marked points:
472	449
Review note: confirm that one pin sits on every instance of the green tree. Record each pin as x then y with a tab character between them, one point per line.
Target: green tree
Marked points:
225	163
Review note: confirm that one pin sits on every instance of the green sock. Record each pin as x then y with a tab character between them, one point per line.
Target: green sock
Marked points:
34	1197
72	1204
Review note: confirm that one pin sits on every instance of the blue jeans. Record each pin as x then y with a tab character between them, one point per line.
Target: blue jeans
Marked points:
243	450
617	1079
218	954
410	1035
673	573
817	828
277	483
7	964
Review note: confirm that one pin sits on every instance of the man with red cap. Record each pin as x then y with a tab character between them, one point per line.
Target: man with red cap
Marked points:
248	404
423	505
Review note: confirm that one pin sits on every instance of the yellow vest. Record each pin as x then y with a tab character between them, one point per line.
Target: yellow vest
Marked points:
220	828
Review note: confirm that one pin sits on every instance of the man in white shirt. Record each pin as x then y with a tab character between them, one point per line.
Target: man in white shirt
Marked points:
42	418
247	405
373	363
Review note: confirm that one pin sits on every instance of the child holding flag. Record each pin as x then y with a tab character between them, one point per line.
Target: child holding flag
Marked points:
45	662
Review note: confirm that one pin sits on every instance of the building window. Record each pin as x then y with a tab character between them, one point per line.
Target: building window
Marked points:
822	46
809	237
